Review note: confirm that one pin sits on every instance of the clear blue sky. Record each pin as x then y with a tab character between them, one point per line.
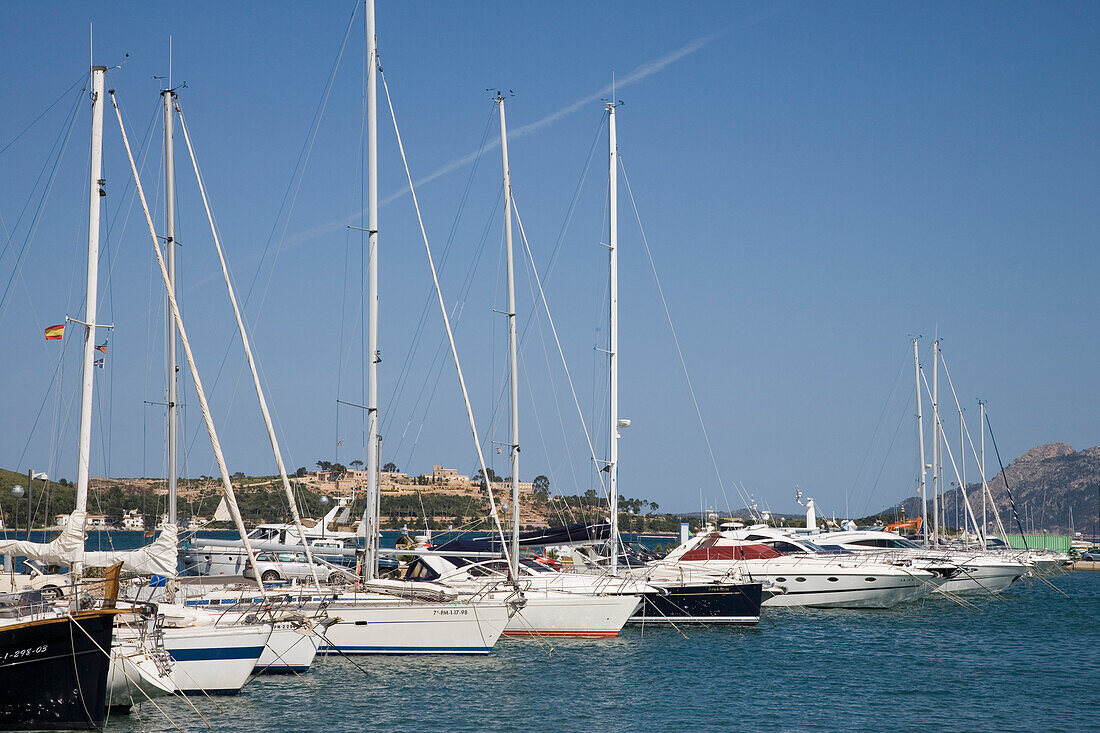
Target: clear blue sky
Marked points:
817	182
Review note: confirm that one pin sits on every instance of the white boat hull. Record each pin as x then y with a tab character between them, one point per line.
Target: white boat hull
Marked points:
215	660
887	592
981	579
399	627
135	677
549	613
292	647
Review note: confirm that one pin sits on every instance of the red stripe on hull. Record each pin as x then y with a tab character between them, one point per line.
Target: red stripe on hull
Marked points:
577	634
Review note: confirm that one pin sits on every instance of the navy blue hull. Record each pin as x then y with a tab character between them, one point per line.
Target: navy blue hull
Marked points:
703	603
53	673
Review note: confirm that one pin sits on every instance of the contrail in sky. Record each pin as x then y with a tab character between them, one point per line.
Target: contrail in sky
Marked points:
647	69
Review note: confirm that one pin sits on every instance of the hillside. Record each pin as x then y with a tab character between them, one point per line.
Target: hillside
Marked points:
1047	483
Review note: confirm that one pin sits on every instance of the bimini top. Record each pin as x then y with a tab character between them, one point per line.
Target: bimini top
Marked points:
580	533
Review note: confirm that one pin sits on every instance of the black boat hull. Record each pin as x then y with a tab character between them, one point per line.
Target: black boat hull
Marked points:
701	603
53	672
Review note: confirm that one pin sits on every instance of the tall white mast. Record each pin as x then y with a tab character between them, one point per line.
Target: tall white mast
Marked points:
981	428
373	510
170	245
935	441
204	406
613	333
297	520
88	365
513	358
920	445
962	460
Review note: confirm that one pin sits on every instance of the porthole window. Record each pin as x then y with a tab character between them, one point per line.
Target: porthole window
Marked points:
801	580
833	580
870	580
780	580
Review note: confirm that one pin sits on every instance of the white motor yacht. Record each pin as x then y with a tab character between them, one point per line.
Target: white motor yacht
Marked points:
979	571
814	580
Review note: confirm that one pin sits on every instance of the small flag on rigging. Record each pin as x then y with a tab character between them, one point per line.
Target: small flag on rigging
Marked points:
54	333
606	469
102	347
98	362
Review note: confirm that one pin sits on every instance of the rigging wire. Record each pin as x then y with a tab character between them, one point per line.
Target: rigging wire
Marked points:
874	436
83	77
410	357
446	323
294	185
676	341
61	144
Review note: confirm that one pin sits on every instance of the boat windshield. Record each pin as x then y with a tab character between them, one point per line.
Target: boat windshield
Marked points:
536	566
820	549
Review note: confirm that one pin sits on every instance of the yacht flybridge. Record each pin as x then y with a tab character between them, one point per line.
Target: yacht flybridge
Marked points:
205	556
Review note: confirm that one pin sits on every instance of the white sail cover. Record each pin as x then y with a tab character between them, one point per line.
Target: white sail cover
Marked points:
221	514
157	558
65	549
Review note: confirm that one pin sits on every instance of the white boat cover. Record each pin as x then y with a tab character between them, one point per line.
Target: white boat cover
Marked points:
159	557
65	549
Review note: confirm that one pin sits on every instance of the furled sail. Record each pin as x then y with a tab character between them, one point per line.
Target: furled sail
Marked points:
159	557
66	548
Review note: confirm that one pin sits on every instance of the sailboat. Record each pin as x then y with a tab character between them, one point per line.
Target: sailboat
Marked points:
978	571
54	659
553	603
377	617
664	597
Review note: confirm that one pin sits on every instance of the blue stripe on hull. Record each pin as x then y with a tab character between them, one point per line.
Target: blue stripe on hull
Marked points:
362	650
193	693
199	655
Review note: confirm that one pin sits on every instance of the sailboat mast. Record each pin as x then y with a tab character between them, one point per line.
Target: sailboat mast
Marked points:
981	426
613	332
373	509
920	444
96	192
962	466
936	476
513	358
167	97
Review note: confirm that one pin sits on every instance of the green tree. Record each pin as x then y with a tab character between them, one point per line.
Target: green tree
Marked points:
301	472
324	465
541	487
356	464
391	467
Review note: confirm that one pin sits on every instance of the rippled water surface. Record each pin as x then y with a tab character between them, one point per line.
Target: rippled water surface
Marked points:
1027	662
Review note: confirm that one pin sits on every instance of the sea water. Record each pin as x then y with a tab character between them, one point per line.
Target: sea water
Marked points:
1026	661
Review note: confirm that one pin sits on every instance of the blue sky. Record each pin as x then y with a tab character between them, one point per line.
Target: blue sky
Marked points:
817	182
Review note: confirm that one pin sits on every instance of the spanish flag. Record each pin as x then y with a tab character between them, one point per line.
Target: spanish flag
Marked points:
54	333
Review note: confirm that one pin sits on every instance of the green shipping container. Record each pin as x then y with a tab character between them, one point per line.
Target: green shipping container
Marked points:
1058	543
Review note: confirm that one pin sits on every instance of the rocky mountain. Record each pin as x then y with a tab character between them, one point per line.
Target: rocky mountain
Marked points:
1048	483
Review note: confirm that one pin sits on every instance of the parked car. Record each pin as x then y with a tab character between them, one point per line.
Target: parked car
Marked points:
282	566
1093	555
49	580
